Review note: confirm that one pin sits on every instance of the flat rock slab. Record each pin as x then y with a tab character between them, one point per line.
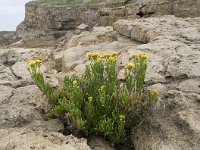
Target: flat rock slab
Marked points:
146	30
22	138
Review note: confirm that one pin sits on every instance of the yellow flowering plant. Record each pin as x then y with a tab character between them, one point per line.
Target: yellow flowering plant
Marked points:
98	103
34	69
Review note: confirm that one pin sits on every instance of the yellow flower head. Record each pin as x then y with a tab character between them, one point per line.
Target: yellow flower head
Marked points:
74	82
31	62
88	54
144	56
114	53
112	58
96	54
130	66
107	54
155	91
134	55
38	61
93	55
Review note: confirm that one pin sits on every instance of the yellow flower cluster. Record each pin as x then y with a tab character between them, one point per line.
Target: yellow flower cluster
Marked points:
111	58
141	55
110	54
74	82
155	91
34	62
93	55
130	66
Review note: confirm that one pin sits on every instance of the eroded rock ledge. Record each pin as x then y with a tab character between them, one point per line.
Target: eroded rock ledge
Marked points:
44	18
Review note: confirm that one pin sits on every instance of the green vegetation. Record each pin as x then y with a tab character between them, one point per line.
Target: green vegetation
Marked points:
98	103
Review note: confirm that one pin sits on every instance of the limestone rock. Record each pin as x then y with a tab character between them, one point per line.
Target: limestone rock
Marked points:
7	38
75	53
58	61
175	128
28	138
45	17
22	106
20	71
97	143
173	64
172	44
99	35
80	69
173	67
5	93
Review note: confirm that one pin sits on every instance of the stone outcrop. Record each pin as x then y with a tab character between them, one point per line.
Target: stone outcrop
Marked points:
146	30
45	24
173	67
42	18
40	137
23	106
7	38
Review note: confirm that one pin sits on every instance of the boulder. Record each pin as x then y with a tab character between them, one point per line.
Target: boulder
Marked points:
97	36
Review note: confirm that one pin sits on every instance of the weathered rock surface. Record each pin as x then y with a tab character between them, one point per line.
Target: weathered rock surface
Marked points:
22	107
97	143
45	24
39	136
98	35
146	30
7	37
71	55
43	17
174	69
173	46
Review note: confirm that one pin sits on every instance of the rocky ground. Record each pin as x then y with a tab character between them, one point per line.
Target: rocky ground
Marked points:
22	107
173	45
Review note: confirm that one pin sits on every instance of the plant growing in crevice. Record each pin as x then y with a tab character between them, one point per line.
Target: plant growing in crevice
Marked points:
98	103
